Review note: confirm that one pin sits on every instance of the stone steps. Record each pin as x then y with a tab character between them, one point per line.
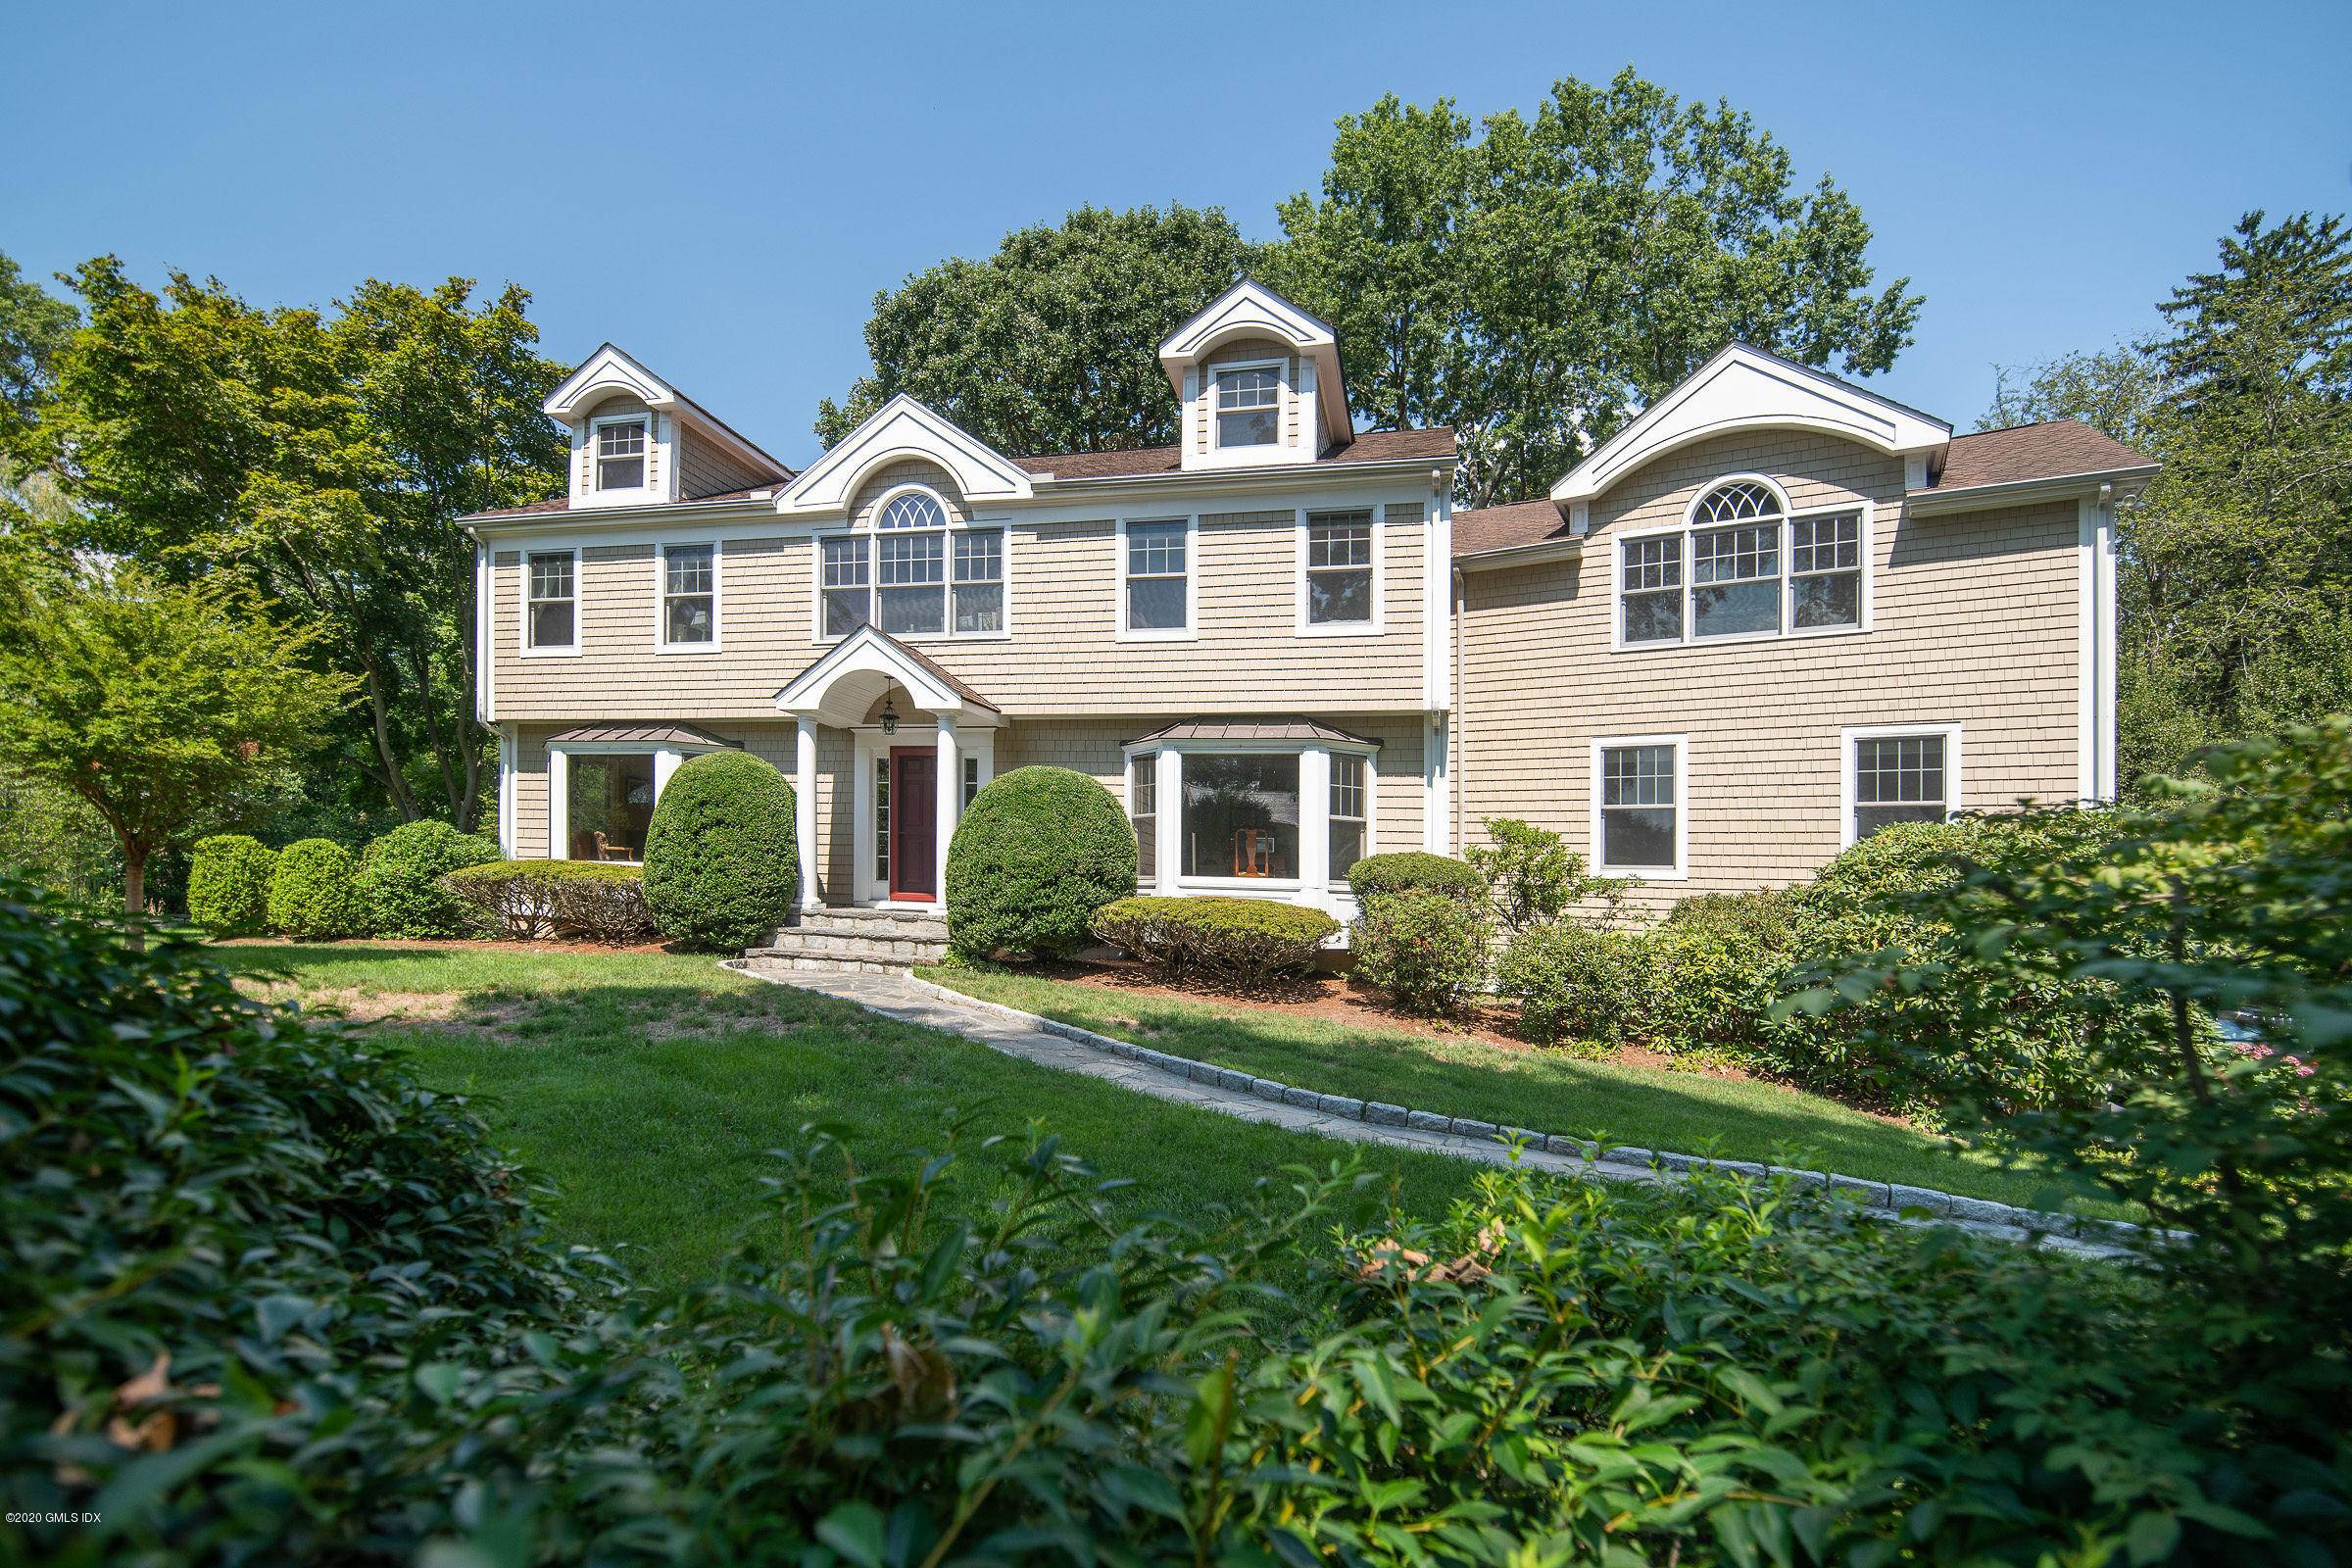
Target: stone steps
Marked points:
859	941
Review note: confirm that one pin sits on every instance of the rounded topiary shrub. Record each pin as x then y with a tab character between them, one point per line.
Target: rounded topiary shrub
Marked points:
1415	871
400	885
311	892
723	866
228	884
1037	852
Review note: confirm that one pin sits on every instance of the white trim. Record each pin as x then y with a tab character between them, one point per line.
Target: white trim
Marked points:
870	650
666	756
1790	515
804	807
1436	762
904	428
653	476
508	763
1249	309
1954	801
485	644
1302	521
1681	869
2095	649
1436	596
661	641
579	605
871	531
1190	631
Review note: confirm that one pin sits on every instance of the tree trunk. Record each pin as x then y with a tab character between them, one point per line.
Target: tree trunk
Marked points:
135	894
394	785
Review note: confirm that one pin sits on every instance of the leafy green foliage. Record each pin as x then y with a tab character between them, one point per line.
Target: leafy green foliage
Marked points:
152	701
722	859
528	899
228	884
1037	852
34	327
1584	258
399	883
1051	344
1573	983
1248	943
313	891
1533	877
1427	949
1414	871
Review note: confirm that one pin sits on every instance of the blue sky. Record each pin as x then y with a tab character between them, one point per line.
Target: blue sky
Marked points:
722	190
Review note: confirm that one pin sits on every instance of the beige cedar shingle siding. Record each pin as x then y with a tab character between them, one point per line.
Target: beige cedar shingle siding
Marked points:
1062	658
703	469
1975	618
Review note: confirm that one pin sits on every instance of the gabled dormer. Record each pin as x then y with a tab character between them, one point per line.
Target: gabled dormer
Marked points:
1260	381
638	441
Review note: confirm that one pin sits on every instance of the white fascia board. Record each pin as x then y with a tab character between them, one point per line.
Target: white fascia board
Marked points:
1743	388
900	430
1249	309
2126	482
1543	550
605	371
866	650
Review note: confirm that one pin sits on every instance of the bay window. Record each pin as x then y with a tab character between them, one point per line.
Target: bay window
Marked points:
1742	566
1241	816
610	802
1143	812
1350	817
1274	809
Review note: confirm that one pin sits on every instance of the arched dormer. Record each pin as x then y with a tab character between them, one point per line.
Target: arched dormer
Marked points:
1258	380
638	441
904	431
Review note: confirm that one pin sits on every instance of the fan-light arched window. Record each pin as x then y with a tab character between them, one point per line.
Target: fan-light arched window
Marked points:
918	575
1743	565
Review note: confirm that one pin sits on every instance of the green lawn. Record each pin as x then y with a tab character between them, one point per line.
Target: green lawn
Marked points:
1548	1090
649	1088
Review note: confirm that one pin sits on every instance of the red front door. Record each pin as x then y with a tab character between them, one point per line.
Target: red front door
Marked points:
913	822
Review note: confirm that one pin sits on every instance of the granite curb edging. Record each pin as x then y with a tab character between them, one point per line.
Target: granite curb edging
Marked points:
1895	1198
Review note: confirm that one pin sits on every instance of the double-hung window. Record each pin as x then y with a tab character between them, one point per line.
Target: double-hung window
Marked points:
913	576
1338	569
1248	408
1637	806
551	611
1158	588
689	596
620	455
1900	778
1350	812
1143	811
1744	566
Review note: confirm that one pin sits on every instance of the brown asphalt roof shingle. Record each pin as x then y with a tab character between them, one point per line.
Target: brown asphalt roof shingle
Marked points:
2055	449
1373	446
1519	523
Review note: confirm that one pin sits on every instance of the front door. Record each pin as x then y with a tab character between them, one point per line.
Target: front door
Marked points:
913	822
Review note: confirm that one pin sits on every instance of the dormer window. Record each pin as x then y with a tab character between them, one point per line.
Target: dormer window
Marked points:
620	455
1248	408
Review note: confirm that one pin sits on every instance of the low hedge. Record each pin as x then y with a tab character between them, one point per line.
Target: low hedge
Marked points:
1037	852
228	884
1426	948
311	892
1573	983
722	859
1416	871
533	898
1247	943
398	884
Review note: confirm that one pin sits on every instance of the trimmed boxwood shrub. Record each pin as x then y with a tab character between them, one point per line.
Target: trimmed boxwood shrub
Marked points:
1415	871
1037	852
723	866
1250	943
228	884
528	898
400	876
311	892
1427	949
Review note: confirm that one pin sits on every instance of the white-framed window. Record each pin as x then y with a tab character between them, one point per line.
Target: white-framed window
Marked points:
916	574
1898	773
971	781
1339	586
1745	564
1350	811
1155	578
1248	405
601	796
551	601
1143	812
882	820
1241	816
1639	823
688	613
619	453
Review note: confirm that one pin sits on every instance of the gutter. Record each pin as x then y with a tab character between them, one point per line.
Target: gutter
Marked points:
592	518
1238	477
1927	503
1542	551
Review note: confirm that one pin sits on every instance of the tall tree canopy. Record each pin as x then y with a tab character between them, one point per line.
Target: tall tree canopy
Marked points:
34	326
1534	281
2235	566
1051	344
323	459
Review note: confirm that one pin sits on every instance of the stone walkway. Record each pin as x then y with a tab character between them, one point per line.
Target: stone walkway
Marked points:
1072	1049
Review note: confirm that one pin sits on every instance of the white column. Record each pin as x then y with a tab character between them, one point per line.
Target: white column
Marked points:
665	764
1437	768
1169	800
558	805
804	802
1314	826
949	796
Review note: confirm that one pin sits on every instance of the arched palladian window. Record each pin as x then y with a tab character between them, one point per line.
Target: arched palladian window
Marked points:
924	578
1744	563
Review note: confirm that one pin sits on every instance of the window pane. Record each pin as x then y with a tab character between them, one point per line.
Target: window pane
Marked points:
913	510
845	610
845	563
1741	499
1653	617
1156	604
1255	429
980	556
1247	389
686	618
1825	544
980	607
551	624
971	779
1652	563
620	474
1347	786
1868	819
1339	596
1341	541
1831	600
1154	548
1347	847
620	440
1740	608
1735	555
907	610
1241	816
1637	775
910	559
1900	770
611	799
1143	810
1637	837
686	568
551	576
843	574
1248	412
